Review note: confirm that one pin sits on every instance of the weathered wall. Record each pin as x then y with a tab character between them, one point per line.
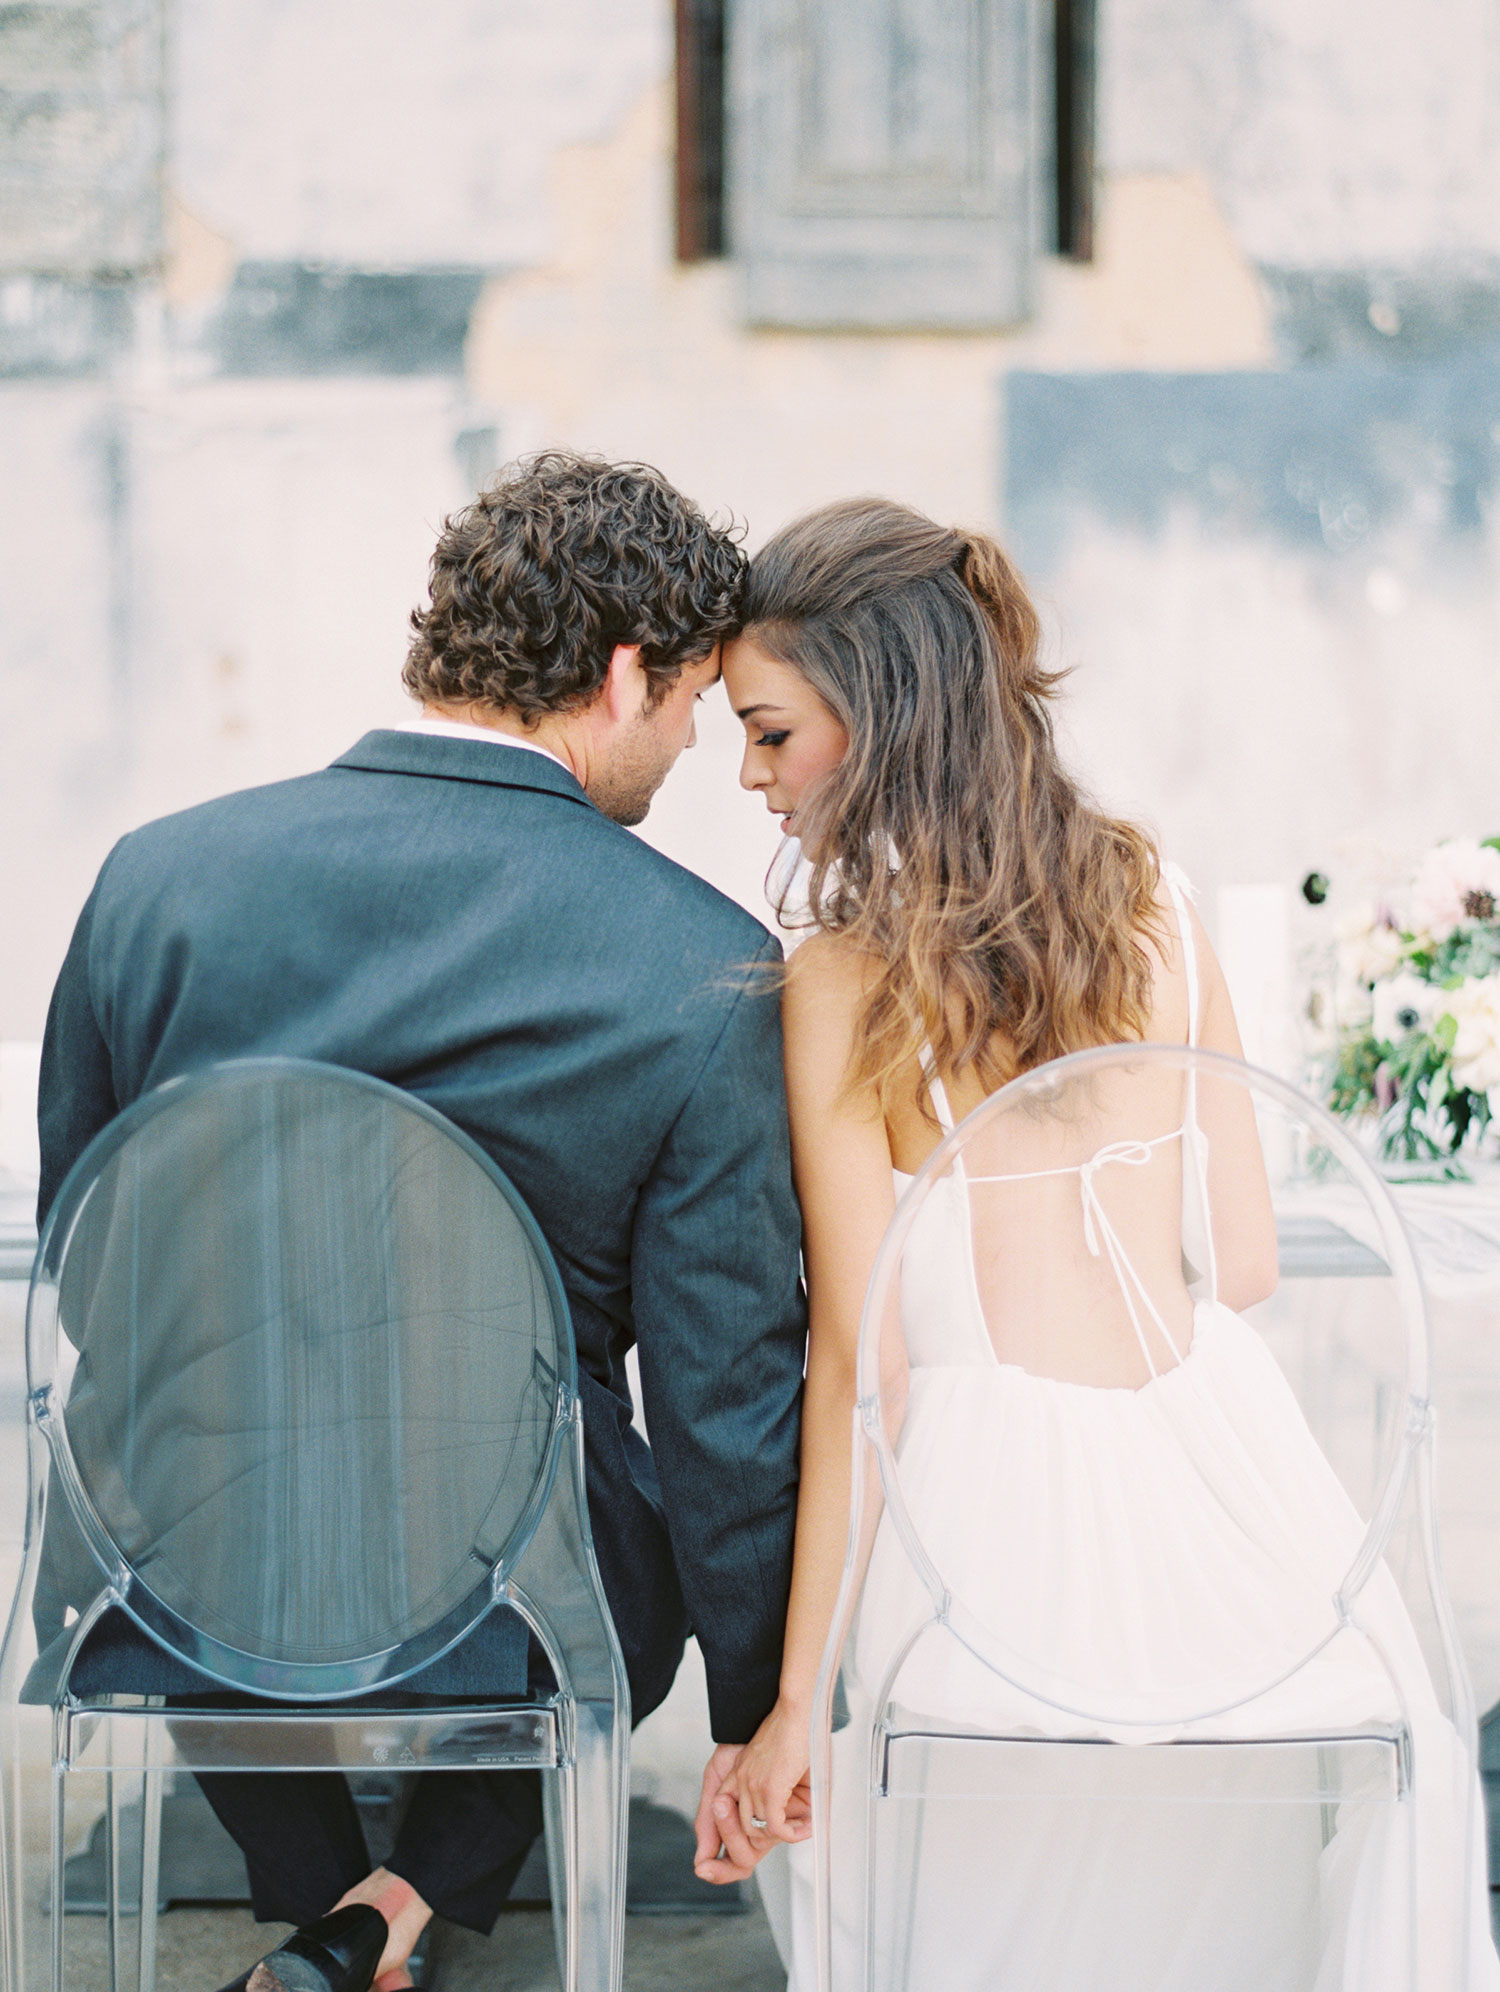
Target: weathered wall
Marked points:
82	125
1336	136
1248	456
1283	588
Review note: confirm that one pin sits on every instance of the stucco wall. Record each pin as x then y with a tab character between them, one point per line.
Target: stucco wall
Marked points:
1248	457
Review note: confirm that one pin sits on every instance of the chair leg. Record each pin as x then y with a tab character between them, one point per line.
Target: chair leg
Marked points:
114	1905
556	1589
57	1889
560	1811
601	1801
151	1792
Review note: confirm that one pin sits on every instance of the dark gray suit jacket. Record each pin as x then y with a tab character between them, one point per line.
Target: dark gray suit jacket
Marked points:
458	918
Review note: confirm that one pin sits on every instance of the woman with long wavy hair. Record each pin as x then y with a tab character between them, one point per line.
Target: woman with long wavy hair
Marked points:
973	915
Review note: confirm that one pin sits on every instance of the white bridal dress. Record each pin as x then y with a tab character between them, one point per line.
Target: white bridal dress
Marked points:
1188	1529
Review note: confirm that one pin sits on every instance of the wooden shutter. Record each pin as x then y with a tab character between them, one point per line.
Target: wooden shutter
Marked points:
882	161
1074	32
700	130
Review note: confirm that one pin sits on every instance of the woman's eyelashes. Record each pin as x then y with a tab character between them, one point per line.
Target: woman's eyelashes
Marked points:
772	739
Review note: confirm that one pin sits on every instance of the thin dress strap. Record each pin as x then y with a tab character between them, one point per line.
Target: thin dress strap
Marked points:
1099	1234
937	1094
1194	1143
1176	882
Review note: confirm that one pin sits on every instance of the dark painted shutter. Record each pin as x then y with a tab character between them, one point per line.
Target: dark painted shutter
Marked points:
882	161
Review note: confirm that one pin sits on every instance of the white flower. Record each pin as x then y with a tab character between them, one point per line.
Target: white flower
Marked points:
1351	1004
1368	947
1458	881
1475	1008
1404	1003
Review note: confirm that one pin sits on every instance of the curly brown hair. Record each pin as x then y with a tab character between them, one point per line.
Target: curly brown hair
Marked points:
1002	911
562	558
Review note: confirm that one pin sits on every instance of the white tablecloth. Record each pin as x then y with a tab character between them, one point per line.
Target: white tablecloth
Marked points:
1454	1228
1455	1232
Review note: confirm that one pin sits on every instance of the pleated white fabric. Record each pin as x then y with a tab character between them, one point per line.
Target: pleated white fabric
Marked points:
1149	1542
1138	1551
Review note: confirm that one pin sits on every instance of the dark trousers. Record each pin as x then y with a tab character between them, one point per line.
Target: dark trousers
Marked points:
466	1833
461	1843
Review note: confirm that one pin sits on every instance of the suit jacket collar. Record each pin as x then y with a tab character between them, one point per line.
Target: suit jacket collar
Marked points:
388	752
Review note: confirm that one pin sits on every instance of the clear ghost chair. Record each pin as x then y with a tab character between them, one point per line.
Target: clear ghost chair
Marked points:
1143	1674
302	1380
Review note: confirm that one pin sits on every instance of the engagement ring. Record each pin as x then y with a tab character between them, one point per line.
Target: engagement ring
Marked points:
759	1825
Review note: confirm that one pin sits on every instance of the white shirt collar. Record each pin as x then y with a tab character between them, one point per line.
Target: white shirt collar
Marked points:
462	729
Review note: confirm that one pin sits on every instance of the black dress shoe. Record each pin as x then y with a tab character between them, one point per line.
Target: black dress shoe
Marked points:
338	1953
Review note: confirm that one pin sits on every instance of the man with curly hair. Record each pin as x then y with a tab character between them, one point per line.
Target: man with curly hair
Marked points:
579	606
454	906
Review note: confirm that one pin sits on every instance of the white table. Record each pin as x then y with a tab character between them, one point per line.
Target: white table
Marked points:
1455	1230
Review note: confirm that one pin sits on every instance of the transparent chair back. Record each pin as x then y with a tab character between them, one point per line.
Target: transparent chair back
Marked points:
301	1378
1143	1674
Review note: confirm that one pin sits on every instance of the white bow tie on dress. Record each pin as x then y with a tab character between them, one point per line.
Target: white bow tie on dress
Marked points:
1132	1155
1099	1234
1098	1230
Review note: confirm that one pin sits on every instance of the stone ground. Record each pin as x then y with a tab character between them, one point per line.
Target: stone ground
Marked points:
199	1949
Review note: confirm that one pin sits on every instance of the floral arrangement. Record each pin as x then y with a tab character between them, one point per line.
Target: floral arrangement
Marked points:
1416	1008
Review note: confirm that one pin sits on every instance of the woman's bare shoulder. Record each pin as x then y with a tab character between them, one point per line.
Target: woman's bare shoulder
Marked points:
1162	941
1217	1028
828	972
827	980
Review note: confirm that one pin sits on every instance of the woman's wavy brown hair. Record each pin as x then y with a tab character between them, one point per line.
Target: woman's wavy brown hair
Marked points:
1002	912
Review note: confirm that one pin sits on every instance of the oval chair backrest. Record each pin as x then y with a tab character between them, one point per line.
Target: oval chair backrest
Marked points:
323	1360
1074	1226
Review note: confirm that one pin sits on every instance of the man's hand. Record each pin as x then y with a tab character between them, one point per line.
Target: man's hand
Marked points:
715	1859
771	1770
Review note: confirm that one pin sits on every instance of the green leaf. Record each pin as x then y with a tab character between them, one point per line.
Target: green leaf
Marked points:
1459	1109
1351	1088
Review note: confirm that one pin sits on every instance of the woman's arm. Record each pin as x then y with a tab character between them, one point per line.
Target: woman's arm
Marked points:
1239	1197
842	1163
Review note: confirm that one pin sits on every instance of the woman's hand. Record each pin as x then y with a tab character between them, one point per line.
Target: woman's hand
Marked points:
770	1784
755	1796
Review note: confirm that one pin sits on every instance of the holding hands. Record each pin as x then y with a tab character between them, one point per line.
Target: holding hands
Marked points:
754	1795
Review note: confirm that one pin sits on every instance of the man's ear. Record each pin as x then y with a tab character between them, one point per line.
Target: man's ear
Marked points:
625	684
